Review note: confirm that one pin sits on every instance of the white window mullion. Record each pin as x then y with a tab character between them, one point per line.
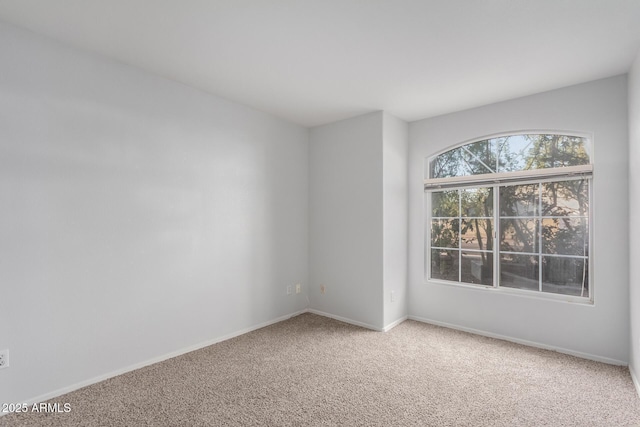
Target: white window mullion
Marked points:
540	237
460	236
496	236
427	233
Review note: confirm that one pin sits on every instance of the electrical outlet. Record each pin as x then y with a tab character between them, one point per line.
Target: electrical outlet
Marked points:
322	289
4	359
289	290
298	288
393	296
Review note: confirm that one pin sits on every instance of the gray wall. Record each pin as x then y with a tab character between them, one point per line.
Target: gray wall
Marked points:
139	217
634	217
395	163
345	219
597	331
358	219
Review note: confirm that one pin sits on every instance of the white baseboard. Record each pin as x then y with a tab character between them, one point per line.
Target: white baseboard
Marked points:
394	324
345	320
99	378
523	342
357	323
634	378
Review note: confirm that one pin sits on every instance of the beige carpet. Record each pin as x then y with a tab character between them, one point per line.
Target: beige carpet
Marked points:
314	371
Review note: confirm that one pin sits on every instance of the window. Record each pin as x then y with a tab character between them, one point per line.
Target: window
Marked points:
512	212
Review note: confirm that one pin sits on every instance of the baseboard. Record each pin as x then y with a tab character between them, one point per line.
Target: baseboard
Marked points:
634	378
394	324
357	323
99	378
523	342
345	320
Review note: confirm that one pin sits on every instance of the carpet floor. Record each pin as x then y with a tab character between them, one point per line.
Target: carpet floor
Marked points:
315	371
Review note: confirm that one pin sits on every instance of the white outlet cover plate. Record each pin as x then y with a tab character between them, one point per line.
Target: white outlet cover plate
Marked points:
4	359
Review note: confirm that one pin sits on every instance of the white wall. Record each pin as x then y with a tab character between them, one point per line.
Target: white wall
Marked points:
395	152
139	216
634	216
358	219
345	219
600	330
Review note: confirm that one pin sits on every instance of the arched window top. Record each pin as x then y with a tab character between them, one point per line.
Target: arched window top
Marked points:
511	153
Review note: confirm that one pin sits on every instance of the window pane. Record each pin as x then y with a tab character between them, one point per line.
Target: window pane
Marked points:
477	233
444	233
565	276
480	157
571	151
477	202
552	151
448	164
564	150
519	200
444	204
519	235
444	265
519	271
477	267
563	198
513	152
471	159
565	236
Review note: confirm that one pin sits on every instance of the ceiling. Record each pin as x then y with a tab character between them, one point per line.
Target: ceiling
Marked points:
316	61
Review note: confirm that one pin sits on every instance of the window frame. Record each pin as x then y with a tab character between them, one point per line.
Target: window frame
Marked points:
495	181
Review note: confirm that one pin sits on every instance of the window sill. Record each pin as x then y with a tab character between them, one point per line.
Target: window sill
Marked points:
515	292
